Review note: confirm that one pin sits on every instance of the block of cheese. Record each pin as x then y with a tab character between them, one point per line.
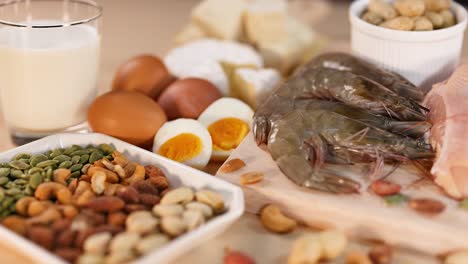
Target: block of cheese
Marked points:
254	85
266	21
189	33
286	54
220	18
230	69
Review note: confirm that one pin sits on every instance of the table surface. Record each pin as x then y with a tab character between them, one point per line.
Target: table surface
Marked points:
148	26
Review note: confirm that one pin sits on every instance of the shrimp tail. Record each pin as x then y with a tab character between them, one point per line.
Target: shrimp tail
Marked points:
415	129
261	129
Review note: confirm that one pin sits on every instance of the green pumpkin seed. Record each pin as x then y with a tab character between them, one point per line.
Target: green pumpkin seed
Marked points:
8	201
5	165
15	173
66	164
35	180
2	194
395	199
10	185
71	149
25	177
85	168
464	204
12	207
107	148
3	180
75	174
20	165
79	152
46	163
75	159
62	158
13	191
4	213
95	156
35	170
49	172
4	172
22	156
55	153
25	160
76	167
21	182
29	191
36	159
47	153
84	159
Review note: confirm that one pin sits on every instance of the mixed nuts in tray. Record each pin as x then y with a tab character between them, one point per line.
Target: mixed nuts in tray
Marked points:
94	205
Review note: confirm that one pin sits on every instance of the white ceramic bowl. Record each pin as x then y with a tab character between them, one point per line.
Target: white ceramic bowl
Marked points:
178	174
423	57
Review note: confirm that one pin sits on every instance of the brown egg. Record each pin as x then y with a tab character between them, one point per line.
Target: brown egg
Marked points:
188	98
127	115
145	73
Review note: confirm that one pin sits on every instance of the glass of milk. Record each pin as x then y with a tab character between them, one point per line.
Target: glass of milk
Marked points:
49	62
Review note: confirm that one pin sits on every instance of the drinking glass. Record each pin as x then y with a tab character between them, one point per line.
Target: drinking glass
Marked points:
49	63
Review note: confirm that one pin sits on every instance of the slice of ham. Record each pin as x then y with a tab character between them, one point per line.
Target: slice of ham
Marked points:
448	103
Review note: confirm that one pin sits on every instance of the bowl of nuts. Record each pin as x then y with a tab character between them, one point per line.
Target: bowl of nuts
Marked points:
90	198
418	39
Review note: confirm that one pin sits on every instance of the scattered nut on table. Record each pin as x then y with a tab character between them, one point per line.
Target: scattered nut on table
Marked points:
306	249
274	220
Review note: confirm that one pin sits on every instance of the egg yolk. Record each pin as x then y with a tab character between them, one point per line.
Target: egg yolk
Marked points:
182	147
228	133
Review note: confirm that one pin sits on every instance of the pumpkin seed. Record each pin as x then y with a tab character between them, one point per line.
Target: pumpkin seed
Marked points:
20	165
62	158
10	185
79	152
71	149
85	168
37	159
46	163
5	165
4	213
29	191
13	191
12	207
108	149
8	201
49	172
75	174
47	153
95	156
25	160
2	194
22	156
21	182
75	159
66	164
35	180
3	180
25	176
55	153
395	199
4	172
84	159
35	170
76	167
15	173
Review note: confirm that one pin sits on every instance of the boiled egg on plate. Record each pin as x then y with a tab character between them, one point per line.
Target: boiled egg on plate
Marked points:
228	121
184	140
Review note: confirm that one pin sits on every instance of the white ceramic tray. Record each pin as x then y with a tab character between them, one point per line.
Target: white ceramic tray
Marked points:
177	175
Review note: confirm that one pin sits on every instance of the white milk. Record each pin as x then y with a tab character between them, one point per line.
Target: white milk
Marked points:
47	76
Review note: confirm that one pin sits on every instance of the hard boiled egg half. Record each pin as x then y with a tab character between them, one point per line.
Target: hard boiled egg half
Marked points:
184	140
228	121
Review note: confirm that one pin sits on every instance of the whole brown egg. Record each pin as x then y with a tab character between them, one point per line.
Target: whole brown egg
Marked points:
145	73
129	116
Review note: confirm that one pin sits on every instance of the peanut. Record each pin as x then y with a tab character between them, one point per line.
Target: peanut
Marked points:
251	178
180	195
410	8
98	182
382	9
274	220
232	166
333	243
399	23
48	190
141	222
61	176
203	208
150	243
168	210
457	258
306	249
124	242
97	244
213	199
193	219
422	24
173	225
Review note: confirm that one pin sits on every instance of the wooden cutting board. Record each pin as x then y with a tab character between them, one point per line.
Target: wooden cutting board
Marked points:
362	215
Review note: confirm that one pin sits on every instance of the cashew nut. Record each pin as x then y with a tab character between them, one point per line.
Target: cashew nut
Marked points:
124	242
120	159
68	211
47	217
138	175
120	171
61	176
213	199
111	176
82	187
306	249
37	207
97	243
141	222
48	190
84	198
22	205
151	242
173	225
98	182
108	164
112	188
274	220
333	243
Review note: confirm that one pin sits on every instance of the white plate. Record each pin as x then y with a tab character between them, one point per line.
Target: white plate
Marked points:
177	174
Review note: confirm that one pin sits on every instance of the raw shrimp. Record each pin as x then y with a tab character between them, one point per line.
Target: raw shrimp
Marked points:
393	81
302	140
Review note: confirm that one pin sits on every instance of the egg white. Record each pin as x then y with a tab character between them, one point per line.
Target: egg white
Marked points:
179	126
225	108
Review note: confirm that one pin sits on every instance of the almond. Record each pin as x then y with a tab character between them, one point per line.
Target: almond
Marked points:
251	178
232	166
384	188
427	206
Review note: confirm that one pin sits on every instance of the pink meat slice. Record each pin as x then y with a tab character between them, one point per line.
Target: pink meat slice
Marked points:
448	102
